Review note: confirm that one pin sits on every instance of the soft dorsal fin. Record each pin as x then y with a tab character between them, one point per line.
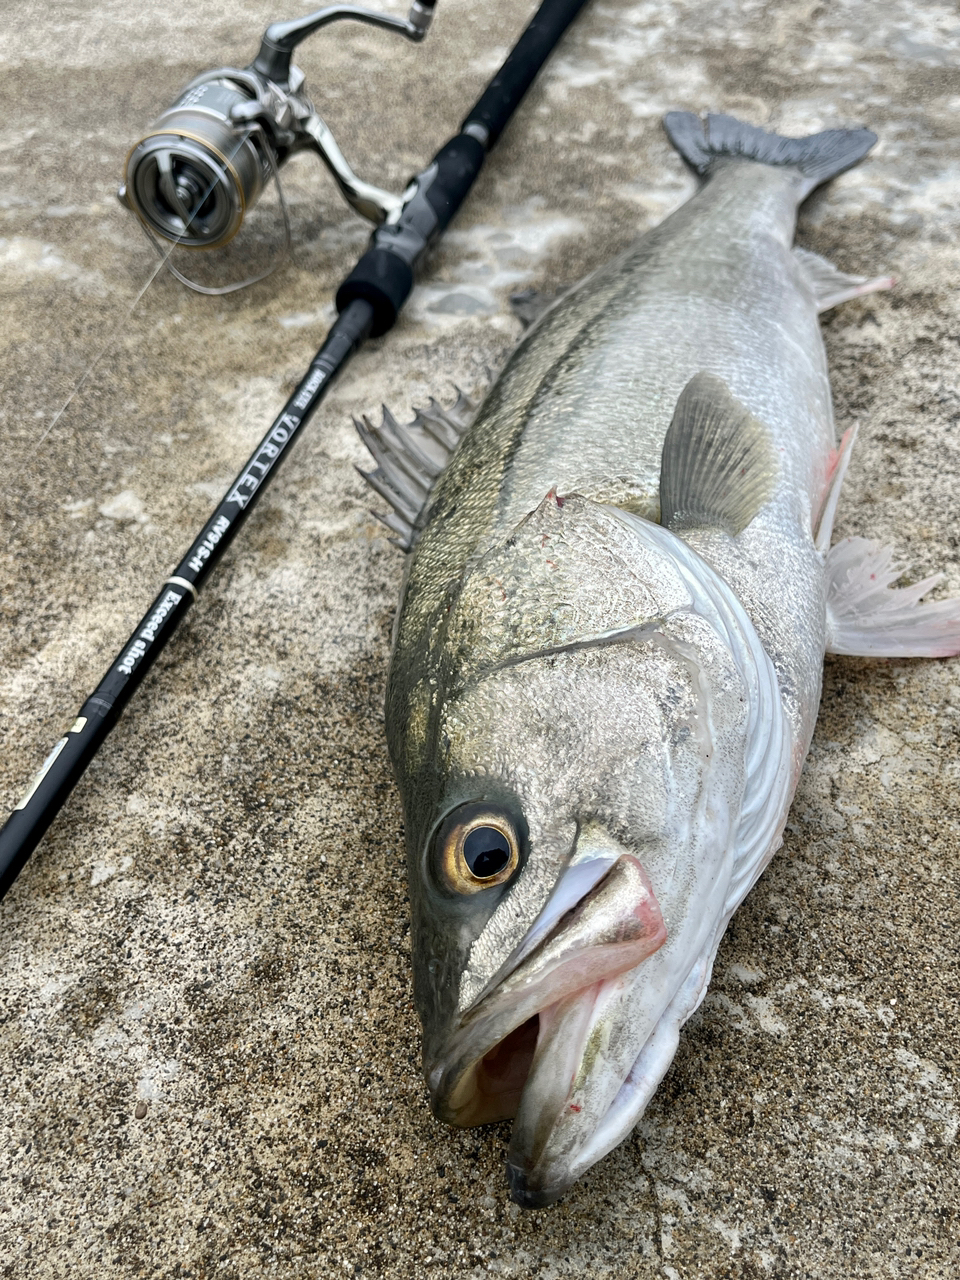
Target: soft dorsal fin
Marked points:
410	456
718	464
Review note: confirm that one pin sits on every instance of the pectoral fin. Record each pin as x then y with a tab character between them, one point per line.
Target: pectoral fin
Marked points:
718	466
868	617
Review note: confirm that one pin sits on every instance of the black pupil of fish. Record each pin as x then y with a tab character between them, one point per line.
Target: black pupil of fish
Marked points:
486	852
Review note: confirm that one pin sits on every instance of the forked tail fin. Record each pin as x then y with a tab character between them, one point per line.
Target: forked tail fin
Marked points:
818	157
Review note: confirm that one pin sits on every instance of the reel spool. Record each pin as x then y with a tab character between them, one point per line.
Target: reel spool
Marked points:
208	158
192	179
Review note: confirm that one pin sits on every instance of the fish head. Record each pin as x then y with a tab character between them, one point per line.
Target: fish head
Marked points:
573	776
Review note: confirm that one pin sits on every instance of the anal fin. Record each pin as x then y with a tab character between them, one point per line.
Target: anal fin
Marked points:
868	617
718	465
830	285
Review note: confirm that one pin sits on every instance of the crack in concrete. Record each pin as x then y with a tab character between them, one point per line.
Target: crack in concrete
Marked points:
658	1240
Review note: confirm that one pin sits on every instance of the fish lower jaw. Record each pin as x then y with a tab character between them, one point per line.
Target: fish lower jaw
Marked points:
555	1138
495	1088
528	1197
540	1174
484	1076
520	1051
551	1044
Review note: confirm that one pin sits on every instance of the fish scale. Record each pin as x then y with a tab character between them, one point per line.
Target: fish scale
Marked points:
663	326
609	650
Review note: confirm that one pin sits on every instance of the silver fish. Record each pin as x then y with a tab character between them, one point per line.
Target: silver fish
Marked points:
608	655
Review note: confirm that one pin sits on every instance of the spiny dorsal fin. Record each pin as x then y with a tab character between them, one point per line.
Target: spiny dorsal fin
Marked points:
718	464
830	285
410	456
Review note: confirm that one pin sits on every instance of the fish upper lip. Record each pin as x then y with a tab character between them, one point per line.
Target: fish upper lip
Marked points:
579	880
613	927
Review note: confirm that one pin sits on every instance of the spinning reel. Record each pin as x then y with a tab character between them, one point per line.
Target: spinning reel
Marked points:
208	158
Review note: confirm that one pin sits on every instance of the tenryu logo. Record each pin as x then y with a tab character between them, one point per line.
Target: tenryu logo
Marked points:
148	633
205	549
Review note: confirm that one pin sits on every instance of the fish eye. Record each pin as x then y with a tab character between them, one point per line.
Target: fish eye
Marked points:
478	848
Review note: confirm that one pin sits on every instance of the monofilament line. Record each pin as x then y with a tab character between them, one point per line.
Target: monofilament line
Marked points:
103	350
111	337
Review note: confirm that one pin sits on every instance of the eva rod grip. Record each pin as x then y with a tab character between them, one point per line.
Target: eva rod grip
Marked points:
503	94
384	276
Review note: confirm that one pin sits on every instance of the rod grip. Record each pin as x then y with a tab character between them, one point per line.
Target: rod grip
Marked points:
451	174
384	276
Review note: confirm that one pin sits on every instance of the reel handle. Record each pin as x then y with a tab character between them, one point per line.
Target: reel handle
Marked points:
281	38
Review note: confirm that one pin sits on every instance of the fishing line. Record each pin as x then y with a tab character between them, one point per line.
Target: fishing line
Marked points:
125	315
221	290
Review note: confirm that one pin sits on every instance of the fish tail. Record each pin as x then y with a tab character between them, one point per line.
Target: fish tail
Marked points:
818	157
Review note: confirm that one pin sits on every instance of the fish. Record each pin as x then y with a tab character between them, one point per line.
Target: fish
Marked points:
618	593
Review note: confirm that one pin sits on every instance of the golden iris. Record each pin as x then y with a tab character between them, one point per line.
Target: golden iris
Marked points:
478	847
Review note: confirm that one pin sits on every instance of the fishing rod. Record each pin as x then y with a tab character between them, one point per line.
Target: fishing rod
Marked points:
194	176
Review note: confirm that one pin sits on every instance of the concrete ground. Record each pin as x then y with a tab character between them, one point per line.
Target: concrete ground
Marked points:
209	1055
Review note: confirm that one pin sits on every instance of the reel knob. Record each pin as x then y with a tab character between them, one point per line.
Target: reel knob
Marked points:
198	171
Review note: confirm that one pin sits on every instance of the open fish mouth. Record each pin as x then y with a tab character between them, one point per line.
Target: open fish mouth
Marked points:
526	1045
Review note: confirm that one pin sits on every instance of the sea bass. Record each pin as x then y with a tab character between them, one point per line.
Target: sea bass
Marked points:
608	655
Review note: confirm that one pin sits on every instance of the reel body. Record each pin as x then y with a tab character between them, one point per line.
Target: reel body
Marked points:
209	156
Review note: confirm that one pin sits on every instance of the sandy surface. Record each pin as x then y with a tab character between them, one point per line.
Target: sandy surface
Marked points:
208	1051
